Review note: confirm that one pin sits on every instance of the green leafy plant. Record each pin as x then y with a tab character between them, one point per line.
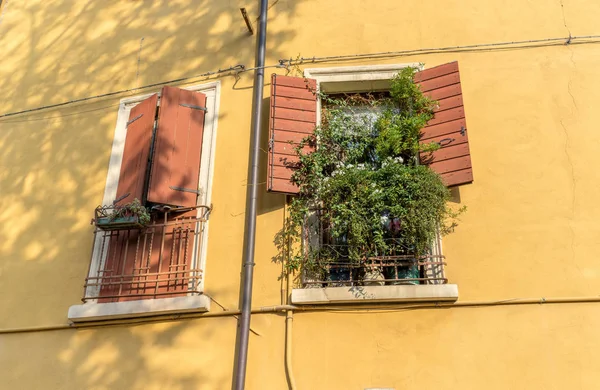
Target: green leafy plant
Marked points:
362	173
132	209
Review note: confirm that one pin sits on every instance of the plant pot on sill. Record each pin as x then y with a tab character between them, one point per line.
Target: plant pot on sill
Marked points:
119	223
373	277
312	279
338	277
402	272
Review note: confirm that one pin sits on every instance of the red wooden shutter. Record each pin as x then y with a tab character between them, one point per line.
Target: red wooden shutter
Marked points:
136	151
293	117
448	127
177	149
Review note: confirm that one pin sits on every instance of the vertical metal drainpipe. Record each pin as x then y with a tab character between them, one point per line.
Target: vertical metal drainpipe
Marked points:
251	202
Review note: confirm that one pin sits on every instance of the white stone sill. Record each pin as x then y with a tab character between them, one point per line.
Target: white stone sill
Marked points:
137	309
374	294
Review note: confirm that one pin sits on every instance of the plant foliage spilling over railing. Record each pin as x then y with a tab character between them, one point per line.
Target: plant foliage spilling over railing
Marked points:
365	179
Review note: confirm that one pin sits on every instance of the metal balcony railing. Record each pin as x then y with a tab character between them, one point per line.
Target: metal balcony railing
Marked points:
331	262
158	260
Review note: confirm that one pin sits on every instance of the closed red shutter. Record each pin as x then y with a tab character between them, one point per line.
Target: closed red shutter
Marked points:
293	116
136	151
177	149
155	261
448	127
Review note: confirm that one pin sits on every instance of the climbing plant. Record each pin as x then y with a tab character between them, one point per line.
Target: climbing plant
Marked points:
363	181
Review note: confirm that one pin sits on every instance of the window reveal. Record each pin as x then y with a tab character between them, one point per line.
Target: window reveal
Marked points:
160	166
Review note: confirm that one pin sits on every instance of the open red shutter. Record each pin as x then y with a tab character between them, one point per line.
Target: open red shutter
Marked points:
136	151
177	149
293	116
448	127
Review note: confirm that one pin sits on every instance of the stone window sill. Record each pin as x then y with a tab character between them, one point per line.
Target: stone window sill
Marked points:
136	309
375	294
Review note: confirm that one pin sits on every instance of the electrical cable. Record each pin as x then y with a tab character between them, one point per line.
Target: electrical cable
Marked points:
230	69
286	63
61	116
550	41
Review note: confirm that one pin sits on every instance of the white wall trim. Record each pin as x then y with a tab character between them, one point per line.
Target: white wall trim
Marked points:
134	309
357	73
212	91
354	78
372	294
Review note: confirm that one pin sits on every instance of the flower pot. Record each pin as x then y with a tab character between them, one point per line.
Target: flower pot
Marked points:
402	272
338	277
373	277
119	223
312	279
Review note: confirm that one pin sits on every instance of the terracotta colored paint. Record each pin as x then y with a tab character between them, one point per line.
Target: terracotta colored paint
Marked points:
136	151
448	126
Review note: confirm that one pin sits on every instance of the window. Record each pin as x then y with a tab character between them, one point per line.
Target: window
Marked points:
398	264
162	155
396	275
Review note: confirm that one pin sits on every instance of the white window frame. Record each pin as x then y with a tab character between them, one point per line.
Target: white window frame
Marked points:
367	78
212	91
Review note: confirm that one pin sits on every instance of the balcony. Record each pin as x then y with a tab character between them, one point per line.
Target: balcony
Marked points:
330	266
159	260
334	272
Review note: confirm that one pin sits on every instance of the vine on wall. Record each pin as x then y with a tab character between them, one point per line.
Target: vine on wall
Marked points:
364	178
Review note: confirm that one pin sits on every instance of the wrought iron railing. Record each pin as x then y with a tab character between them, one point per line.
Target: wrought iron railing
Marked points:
331	262
160	259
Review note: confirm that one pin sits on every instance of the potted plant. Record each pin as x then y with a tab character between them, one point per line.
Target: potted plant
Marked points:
378	203
119	217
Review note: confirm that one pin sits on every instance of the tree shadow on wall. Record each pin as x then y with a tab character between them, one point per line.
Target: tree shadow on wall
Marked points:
53	162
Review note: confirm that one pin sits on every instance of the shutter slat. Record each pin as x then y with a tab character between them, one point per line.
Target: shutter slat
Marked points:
453	138
283	160
447	116
440	82
449	152
296	93
451	165
438	71
297	82
448	103
444	92
288	148
136	151
282	172
287	136
178	148
296	115
443	128
448	126
292	118
306	105
290	125
463	176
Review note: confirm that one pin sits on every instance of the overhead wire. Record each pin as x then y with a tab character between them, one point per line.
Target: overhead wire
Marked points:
287	63
123	91
60	116
549	41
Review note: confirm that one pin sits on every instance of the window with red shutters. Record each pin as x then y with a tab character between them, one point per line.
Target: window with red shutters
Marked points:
291	119
448	126
293	114
160	165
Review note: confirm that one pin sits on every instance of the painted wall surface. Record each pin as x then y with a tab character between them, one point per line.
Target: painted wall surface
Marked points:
530	231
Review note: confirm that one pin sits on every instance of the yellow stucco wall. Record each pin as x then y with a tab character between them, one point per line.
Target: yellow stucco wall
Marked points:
530	231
